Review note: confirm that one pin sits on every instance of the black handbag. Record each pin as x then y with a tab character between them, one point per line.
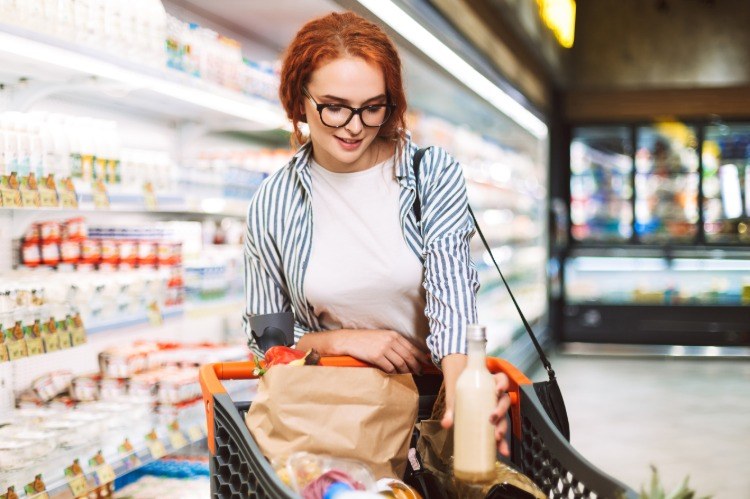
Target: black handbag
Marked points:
548	391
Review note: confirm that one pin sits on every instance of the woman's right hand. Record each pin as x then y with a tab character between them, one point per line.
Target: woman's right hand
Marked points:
386	349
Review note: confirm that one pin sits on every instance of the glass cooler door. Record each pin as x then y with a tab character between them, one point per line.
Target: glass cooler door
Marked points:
726	183
601	185
666	183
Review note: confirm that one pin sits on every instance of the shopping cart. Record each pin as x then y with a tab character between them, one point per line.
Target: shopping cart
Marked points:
538	449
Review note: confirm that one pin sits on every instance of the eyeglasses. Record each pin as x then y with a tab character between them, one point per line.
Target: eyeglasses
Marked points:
339	115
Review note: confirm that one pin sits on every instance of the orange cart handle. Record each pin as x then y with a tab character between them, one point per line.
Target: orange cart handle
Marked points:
211	376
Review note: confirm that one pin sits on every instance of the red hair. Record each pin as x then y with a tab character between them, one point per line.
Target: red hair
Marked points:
330	37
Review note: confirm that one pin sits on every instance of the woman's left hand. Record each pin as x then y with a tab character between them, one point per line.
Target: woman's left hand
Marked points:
452	365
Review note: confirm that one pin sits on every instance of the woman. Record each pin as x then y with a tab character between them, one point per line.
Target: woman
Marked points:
332	235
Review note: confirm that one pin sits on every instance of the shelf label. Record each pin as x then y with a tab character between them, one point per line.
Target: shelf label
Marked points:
68	196
29	189
77	332
16	349
50	336
9	191
155	317
155	446
177	439
36	489
195	433
76	479
103	472
149	196
101	198
48	192
34	346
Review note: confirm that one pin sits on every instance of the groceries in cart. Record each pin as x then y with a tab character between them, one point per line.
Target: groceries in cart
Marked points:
324	477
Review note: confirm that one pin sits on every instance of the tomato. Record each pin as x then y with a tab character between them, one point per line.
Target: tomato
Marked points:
282	355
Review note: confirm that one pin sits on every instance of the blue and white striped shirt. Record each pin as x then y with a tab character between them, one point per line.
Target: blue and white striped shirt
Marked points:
279	239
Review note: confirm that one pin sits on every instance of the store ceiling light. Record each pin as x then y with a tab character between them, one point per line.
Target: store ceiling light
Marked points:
47	53
436	50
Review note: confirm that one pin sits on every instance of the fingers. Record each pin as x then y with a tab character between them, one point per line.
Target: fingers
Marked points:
412	362
501	409
415	352
502	383
398	362
447	420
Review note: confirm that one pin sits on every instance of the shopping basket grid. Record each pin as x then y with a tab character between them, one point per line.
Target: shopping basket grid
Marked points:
239	469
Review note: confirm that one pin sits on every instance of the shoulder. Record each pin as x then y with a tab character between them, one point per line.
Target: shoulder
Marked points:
280	185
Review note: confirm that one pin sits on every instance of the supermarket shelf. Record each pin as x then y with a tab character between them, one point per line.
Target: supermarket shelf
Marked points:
133	321
44	58
167	205
222	306
123	463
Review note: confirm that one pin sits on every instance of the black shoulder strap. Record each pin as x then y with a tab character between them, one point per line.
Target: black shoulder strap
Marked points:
417	208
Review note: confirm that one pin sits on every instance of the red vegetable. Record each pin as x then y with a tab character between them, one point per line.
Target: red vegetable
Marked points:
282	355
279	355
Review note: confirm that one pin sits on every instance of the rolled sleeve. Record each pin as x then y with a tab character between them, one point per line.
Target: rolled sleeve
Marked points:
451	281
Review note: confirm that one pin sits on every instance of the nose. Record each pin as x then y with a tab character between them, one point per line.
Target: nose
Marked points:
355	126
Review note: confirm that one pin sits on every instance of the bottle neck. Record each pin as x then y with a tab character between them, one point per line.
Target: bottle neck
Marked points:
477	354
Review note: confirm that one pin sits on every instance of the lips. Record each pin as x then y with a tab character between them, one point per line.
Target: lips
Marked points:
349	144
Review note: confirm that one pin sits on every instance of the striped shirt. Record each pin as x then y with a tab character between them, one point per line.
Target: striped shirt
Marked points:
279	240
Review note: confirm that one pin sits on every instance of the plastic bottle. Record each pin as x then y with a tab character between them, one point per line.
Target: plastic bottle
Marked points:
473	438
88	153
61	148
36	154
24	153
74	152
11	152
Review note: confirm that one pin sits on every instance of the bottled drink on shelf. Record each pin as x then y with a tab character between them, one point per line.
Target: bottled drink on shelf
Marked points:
474	440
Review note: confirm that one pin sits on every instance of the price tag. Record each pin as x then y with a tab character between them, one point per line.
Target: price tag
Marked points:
156	449
65	340
48	192
78	336
17	349
68	196
155	446
105	474
195	433
51	342
155	317
34	346
177	439
149	196
29	192
101	198
78	486
9	191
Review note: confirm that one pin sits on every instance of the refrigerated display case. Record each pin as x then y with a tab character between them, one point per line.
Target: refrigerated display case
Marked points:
678	271
726	183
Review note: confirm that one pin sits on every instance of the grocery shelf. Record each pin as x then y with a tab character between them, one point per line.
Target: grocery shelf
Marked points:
38	57
221	306
133	320
191	432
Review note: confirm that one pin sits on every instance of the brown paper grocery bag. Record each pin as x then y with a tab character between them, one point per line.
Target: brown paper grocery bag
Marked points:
350	412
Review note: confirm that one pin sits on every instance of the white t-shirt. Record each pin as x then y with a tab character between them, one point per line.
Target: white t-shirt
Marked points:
361	274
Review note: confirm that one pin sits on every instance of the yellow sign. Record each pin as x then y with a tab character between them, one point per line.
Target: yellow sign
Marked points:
3	353
105	474
155	446
155	317
177	439
51	342
48	192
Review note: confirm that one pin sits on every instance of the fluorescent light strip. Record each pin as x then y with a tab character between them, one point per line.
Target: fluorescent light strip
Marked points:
46	53
436	50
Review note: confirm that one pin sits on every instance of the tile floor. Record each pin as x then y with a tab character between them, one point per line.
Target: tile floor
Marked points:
685	416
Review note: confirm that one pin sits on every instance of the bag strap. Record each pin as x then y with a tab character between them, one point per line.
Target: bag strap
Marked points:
417	208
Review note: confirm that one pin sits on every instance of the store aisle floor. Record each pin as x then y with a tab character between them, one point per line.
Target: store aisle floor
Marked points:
685	416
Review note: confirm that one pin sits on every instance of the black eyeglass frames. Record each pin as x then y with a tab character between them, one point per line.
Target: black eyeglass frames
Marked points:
339	115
